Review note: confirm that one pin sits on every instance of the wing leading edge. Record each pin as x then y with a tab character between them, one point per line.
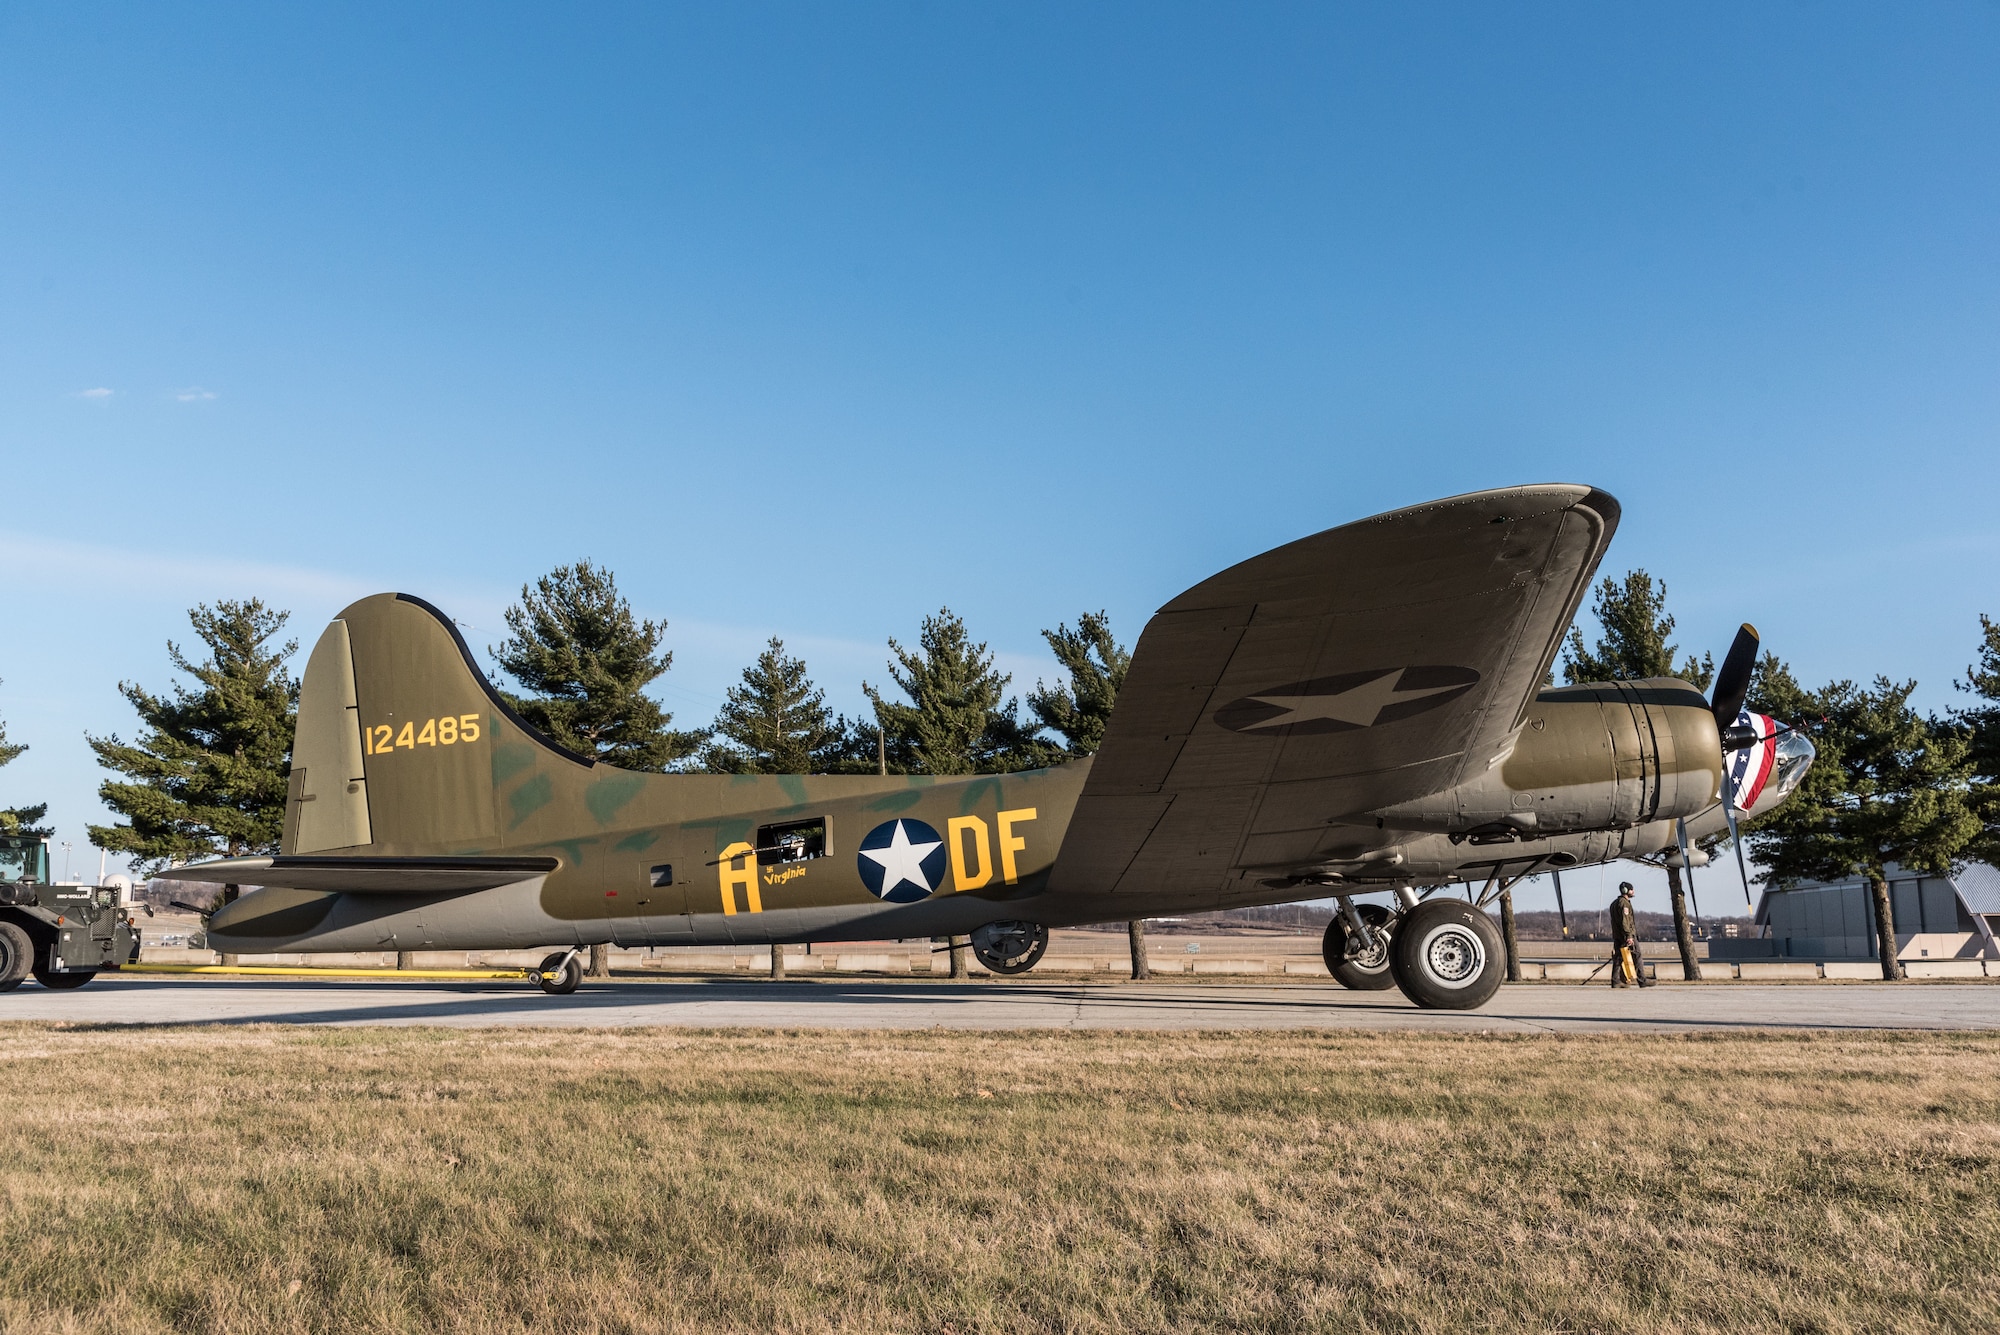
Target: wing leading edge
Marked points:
369	876
1366	665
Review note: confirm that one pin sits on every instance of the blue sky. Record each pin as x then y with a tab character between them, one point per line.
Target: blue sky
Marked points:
807	320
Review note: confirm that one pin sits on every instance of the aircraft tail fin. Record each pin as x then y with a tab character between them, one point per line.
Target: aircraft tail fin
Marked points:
401	737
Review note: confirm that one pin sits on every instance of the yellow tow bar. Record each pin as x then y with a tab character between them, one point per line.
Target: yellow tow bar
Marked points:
306	971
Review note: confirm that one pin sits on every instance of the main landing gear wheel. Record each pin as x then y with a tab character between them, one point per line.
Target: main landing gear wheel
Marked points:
1366	970
17	952
63	982
1010	947
1447	955
562	973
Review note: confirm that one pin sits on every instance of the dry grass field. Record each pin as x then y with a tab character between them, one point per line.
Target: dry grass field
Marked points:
425	1180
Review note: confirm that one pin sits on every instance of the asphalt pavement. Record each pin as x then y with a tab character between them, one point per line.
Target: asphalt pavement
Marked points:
891	1004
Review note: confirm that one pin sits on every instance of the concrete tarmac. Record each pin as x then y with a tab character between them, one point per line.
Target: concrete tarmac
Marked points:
886	1004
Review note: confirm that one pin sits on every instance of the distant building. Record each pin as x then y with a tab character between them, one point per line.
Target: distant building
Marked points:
1937	917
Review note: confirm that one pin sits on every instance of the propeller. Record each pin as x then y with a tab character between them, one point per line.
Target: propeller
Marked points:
1732	688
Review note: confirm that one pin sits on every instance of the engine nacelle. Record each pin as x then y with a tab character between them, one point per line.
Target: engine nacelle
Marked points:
1602	756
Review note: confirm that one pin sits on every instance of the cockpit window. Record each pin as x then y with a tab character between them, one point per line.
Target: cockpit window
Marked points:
1794	756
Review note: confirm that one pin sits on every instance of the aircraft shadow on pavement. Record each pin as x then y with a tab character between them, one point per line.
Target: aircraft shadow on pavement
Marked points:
682	1003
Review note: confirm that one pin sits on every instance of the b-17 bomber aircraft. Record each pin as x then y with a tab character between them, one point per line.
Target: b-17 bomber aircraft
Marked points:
1358	712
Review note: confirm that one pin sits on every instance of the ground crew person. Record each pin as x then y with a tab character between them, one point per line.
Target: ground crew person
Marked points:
1625	961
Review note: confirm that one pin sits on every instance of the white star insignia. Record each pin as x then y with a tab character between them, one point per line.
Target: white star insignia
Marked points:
902	860
1357	705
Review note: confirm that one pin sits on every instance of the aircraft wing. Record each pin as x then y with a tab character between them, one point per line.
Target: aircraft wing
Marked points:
368	876
1269	708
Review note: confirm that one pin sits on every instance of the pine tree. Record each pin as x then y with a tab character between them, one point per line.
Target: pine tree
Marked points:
957	721
585	662
1633	644
776	722
1887	785
1077	711
1982	680
20	821
210	769
9	751
1982	725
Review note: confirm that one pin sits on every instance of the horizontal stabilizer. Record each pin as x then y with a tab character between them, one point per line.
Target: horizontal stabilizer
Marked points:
368	876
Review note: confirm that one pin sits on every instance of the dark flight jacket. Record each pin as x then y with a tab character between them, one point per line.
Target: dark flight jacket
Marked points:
1623	922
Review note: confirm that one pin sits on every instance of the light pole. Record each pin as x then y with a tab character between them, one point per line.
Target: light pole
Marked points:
66	847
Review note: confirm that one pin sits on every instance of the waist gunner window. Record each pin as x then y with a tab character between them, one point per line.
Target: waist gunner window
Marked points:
795	841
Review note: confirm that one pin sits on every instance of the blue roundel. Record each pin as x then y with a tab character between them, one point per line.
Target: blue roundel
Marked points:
902	861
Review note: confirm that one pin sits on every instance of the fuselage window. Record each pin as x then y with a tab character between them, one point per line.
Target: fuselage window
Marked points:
662	875
794	841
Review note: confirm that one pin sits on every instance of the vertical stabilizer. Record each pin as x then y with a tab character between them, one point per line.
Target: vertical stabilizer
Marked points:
327	806
402	699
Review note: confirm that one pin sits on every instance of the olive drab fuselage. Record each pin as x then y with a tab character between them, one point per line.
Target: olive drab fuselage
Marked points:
404	750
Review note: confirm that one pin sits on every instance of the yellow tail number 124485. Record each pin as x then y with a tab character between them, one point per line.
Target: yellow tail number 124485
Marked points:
446	731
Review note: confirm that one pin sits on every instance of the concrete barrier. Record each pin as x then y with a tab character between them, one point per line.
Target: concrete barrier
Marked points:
1770	971
1857	970
1563	971
1308	968
1944	968
1231	966
177	955
872	963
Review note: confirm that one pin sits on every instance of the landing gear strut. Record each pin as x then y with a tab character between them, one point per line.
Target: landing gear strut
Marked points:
561	973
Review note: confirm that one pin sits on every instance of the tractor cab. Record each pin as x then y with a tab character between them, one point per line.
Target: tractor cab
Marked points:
63	934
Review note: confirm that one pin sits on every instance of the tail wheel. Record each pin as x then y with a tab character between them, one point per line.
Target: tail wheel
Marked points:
1367	970
63	982
562	973
17	954
1447	955
1010	947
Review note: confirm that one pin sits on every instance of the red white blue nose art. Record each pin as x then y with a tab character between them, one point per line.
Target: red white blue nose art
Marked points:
1750	768
902	861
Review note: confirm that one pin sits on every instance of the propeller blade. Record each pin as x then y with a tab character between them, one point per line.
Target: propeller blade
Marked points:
1736	838
1561	912
1732	683
1687	867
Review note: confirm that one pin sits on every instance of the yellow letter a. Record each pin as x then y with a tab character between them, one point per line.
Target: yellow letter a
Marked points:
747	878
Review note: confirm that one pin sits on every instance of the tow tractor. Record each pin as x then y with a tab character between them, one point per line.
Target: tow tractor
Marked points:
64	934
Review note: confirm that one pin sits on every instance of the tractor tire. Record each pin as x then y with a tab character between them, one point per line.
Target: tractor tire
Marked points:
17	956
63	982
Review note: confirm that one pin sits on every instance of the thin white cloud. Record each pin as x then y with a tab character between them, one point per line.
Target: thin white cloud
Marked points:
97	571
194	394
99	393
